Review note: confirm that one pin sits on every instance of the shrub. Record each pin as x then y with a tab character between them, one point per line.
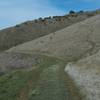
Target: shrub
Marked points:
90	14
81	11
72	12
35	20
40	18
17	26
55	16
26	23
48	17
51	37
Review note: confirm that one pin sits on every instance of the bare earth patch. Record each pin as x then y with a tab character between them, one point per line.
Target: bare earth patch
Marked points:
86	74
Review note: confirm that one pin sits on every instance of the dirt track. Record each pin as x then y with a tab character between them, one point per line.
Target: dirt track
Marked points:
53	85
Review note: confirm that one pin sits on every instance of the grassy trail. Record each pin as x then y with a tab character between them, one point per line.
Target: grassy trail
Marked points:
46	81
53	84
23	95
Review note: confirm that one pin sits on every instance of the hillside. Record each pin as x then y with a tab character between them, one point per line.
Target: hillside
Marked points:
71	43
86	74
33	29
52	59
13	61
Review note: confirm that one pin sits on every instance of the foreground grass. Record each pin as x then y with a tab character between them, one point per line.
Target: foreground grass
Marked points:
12	83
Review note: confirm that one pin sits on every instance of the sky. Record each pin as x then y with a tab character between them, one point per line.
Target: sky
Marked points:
13	12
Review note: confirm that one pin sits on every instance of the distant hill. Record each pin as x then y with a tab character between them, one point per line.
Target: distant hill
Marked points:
34	29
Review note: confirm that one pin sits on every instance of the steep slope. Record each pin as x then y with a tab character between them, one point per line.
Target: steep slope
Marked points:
86	74
33	29
71	43
15	61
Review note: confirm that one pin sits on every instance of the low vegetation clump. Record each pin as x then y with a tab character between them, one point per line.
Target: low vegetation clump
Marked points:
72	12
81	11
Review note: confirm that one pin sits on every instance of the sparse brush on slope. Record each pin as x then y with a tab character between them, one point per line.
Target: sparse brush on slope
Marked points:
72	43
34	29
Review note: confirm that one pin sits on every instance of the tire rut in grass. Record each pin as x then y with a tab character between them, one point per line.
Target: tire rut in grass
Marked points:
24	93
53	86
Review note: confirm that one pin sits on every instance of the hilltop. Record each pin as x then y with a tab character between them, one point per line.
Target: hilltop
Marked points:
31	30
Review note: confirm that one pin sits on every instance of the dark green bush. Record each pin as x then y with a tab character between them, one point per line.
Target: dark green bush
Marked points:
71	12
81	11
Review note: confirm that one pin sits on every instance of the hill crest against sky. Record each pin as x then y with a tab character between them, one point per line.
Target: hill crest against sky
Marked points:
16	11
